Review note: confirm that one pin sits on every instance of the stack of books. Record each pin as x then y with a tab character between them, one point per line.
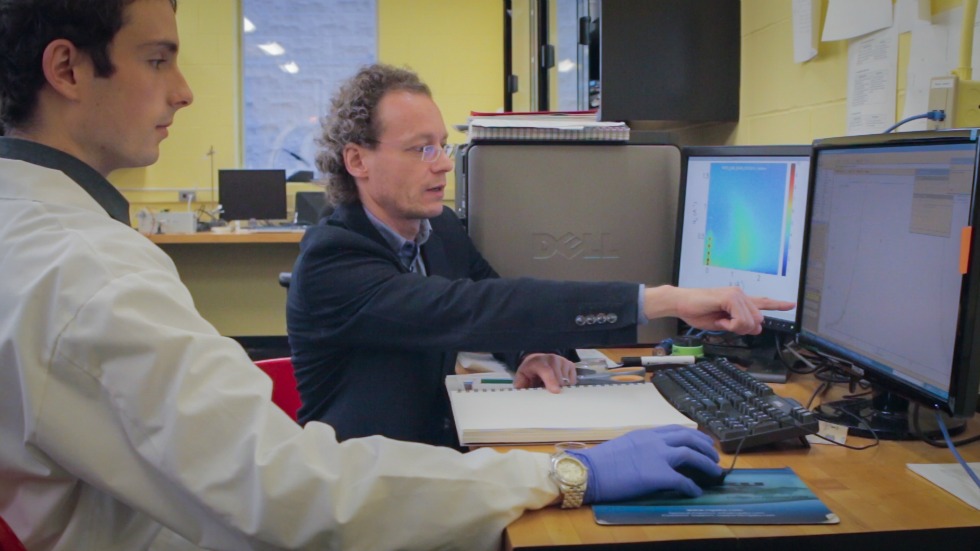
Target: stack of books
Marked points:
545	126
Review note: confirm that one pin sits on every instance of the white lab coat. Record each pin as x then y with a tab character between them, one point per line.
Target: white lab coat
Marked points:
121	408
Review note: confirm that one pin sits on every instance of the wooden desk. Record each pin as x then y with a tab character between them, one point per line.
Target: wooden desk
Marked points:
234	277
210	238
880	502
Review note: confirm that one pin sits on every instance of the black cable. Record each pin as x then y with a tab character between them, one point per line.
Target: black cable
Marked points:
811	365
822	388
831	374
779	354
738	449
848	446
861	421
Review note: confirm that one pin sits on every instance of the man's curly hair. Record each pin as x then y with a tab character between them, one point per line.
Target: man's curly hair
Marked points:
353	119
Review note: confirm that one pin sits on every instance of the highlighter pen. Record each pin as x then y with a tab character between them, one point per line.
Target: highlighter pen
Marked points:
647	361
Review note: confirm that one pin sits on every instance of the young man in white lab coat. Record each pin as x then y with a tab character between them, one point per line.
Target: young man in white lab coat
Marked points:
122	410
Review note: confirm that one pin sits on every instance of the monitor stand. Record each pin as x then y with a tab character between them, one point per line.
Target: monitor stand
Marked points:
758	356
889	415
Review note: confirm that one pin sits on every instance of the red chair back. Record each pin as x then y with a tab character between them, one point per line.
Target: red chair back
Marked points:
8	539
284	392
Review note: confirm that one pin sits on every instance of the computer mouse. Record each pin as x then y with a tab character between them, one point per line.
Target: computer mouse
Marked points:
701	478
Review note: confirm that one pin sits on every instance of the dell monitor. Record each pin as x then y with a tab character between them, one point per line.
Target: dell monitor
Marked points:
252	194
740	223
891	285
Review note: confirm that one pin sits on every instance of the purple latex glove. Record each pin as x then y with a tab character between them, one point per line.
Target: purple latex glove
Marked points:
644	461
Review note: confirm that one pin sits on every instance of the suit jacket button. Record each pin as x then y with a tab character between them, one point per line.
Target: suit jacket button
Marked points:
600	318
612	318
589	319
579	320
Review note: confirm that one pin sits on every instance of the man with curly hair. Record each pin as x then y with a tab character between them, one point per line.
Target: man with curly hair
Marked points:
389	288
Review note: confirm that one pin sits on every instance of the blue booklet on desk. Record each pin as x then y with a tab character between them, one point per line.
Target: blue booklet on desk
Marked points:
748	496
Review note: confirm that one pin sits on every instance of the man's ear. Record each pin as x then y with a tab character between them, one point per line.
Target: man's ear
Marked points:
354	160
60	62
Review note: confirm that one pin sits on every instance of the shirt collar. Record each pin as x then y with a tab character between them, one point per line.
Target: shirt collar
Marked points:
107	196
396	241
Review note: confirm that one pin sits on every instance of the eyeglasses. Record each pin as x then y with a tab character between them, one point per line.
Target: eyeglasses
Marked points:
430	153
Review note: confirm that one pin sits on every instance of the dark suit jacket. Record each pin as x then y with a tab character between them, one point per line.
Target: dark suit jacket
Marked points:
372	342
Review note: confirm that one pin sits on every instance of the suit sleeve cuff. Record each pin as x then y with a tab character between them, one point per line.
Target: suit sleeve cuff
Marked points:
641	318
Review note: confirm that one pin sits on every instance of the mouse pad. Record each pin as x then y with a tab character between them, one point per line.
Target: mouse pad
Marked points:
748	496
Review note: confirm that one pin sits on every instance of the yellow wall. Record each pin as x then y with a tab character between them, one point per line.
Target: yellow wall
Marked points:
787	102
457	49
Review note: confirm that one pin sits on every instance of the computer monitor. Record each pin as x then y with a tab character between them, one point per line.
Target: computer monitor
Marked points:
740	223
891	285
310	205
247	194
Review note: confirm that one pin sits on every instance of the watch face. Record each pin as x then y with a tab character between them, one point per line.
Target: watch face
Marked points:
570	471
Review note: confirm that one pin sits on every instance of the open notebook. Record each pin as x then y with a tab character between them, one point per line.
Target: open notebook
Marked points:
580	413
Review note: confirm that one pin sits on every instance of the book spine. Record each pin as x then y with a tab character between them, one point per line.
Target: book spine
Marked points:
504	388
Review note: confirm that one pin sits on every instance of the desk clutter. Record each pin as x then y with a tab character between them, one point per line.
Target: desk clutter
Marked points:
715	396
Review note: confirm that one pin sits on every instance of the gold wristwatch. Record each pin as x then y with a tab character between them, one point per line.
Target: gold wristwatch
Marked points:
572	477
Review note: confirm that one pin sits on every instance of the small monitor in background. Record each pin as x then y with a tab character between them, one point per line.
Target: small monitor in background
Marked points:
310	206
741	218
247	194
891	281
301	176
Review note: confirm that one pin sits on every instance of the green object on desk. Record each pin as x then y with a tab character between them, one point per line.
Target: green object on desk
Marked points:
687	346
497	381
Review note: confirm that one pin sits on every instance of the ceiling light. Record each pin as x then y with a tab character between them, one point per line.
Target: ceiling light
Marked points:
272	48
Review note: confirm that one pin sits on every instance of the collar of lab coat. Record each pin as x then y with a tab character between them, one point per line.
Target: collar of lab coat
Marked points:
107	196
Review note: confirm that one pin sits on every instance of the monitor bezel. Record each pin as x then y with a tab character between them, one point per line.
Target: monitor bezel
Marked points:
687	152
280	204
964	383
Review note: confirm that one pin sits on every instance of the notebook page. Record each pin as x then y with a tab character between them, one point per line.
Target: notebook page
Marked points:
584	413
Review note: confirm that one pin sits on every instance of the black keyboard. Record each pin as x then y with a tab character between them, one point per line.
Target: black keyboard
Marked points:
732	406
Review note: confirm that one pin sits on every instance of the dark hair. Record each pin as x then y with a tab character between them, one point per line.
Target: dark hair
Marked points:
26	29
352	119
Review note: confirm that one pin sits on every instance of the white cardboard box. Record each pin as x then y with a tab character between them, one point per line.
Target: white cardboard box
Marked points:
177	222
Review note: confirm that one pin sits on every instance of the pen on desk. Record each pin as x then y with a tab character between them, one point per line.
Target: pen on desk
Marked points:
497	381
647	361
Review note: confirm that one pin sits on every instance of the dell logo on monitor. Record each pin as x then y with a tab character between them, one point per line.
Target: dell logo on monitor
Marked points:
587	246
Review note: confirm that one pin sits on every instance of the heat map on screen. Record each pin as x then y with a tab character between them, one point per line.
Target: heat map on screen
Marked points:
747	217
